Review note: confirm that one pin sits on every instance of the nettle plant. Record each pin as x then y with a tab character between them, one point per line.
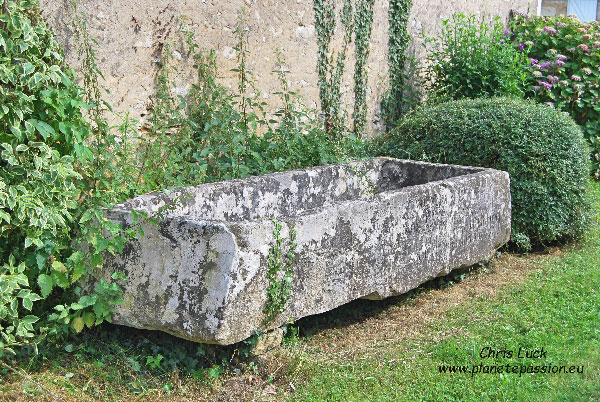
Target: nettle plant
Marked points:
564	69
234	135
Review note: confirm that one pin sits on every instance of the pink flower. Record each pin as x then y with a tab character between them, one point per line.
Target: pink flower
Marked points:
550	30
596	44
587	36
575	78
583	47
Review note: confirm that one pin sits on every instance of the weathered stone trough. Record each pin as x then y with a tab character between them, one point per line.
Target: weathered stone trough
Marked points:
370	229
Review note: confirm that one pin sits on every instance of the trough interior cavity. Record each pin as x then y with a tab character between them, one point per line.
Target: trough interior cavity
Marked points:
295	193
397	174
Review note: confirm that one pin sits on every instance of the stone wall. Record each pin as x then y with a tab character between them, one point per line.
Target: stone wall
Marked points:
131	34
553	8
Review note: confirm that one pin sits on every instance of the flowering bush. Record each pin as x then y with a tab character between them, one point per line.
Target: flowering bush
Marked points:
564	65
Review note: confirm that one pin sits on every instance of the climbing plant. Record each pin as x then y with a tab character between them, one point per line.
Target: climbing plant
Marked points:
329	67
357	22
395	103
363	26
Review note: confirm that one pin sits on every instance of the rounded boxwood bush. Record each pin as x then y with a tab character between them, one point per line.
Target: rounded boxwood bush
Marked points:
541	148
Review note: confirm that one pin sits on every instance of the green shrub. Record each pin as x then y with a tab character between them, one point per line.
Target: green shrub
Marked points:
42	131
470	59
542	149
564	56
45	187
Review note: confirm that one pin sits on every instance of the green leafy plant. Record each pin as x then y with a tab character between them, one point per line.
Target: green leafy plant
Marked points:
542	149
154	362
403	93
363	27
564	55
330	66
279	274
43	187
233	134
57	172
356	20
472	59
18	328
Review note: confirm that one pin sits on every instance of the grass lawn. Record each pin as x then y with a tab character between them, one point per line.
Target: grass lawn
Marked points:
375	351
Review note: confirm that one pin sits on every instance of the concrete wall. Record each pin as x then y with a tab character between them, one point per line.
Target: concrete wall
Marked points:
130	35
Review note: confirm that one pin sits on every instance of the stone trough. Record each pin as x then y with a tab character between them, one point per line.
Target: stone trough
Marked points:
369	229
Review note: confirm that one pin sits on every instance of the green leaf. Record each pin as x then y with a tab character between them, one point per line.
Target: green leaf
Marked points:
28	242
21	279
87	301
86	217
24	293
43	128
78	270
60	279
4	216
89	319
27	304
34	297
17	132
29	319
41	259
46	283
59	266
28	68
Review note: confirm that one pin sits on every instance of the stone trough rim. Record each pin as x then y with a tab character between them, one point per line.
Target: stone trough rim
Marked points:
477	170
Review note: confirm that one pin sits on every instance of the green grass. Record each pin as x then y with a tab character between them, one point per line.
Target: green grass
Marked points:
557	308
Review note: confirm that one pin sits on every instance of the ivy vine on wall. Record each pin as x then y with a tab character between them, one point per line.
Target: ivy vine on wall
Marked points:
356	20
330	68
363	26
394	104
